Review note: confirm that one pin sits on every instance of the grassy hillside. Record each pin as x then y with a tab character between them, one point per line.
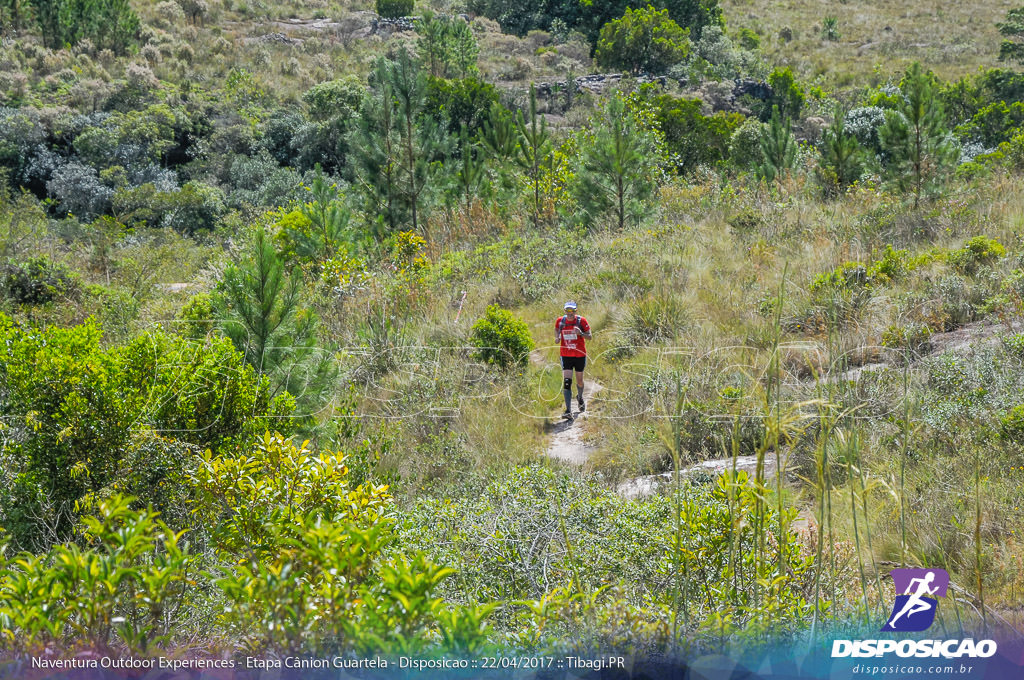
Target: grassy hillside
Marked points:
278	285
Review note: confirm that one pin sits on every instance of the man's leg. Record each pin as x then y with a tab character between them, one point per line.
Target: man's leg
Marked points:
567	388
579	389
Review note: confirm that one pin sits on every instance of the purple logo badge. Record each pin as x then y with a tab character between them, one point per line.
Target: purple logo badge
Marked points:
917	591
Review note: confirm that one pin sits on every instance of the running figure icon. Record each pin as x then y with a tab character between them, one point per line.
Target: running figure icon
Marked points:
916	599
915	603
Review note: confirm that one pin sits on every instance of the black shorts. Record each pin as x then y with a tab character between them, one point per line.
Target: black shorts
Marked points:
574	364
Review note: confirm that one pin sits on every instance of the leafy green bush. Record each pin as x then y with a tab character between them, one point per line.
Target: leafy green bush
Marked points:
123	586
393	9
272	486
79	418
37	281
1011	424
849	275
911	337
978	251
501	338
314	573
691	137
642	40
786	94
748	39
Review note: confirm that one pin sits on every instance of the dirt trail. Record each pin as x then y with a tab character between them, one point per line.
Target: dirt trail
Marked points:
568	442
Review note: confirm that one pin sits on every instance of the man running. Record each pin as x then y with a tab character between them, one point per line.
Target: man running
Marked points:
571	331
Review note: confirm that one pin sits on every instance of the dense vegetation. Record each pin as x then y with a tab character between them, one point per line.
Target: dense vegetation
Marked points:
270	308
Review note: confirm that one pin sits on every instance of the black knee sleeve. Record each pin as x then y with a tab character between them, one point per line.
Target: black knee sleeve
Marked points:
567	383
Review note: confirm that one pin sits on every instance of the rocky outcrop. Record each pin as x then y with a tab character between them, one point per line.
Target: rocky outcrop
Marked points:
596	83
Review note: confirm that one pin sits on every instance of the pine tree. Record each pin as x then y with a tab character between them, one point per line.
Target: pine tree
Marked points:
778	148
616	173
471	169
395	145
842	157
376	144
422	139
499	140
533	151
920	151
447	46
431	44
261	310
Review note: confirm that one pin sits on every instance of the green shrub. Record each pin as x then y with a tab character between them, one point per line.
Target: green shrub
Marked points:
849	275
1014	344
509	542
691	137
786	94
642	40
978	251
37	281
393	9
79	418
501	338
912	337
122	587
1011	425
748	39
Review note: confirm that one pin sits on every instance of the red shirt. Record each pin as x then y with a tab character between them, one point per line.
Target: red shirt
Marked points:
572	342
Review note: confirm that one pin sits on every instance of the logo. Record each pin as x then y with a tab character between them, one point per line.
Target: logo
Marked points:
914	609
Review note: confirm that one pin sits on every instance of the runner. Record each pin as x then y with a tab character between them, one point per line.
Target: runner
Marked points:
572	331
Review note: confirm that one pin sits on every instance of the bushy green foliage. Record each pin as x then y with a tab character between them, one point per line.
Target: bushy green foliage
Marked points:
642	40
748	39
461	102
519	17
692	138
37	281
78	417
1011	424
107	24
501	338
122	588
786	94
538	530
745	144
249	497
994	124
978	251
392	9
319	229
846	275
1013	30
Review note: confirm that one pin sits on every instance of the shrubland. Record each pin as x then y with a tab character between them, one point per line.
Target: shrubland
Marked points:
276	301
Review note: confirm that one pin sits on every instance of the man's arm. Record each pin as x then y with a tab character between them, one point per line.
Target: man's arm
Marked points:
586	333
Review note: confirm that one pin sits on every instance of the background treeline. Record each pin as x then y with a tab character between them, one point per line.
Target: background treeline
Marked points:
267	307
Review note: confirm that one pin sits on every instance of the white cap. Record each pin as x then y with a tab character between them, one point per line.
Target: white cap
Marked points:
570	305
